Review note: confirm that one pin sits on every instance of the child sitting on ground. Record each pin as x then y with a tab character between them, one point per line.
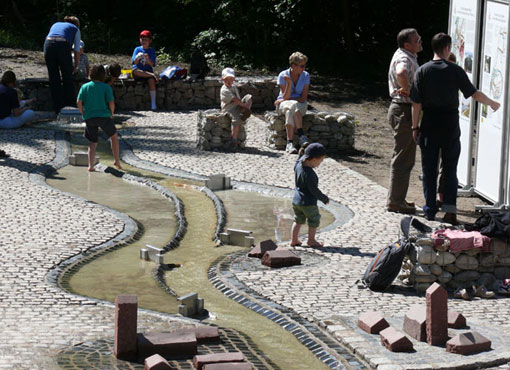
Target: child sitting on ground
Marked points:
12	114
307	193
112	72
83	71
144	59
95	102
231	102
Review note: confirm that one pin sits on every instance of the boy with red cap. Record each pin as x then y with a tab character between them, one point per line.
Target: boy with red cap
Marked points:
144	59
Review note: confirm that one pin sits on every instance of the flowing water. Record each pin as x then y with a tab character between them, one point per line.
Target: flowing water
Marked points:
121	271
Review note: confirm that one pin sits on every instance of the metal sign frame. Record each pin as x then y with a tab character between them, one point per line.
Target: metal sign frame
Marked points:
468	163
499	201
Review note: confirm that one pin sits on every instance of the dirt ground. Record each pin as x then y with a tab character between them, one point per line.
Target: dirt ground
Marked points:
368	101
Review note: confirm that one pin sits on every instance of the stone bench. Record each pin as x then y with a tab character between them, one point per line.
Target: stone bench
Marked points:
334	130
214	131
185	94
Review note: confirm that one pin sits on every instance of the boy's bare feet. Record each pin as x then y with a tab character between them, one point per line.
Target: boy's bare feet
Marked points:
296	244
314	244
117	165
91	169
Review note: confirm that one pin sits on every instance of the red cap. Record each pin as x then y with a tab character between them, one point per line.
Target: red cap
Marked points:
146	33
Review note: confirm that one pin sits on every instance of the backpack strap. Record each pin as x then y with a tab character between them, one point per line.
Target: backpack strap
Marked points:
408	221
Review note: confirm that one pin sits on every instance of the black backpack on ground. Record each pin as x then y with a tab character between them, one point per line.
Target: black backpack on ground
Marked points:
385	266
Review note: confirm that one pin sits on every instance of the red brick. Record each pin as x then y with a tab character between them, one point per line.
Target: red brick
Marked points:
200	360
456	320
228	366
169	345
156	362
395	341
126	310
415	323
280	258
372	322
468	343
261	248
204	334
437	315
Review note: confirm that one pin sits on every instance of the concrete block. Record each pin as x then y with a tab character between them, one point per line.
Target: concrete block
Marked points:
261	248
225	238
125	343
228	366
168	345
372	322
81	159
156	362
249	241
200	360
280	258
155	253
468	343
456	320
216	182
415	322
437	315
144	254
395	341
236	236
199	305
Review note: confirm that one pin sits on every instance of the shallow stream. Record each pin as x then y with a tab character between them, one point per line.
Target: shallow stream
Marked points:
121	271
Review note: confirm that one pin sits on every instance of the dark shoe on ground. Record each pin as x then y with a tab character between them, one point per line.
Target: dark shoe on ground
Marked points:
3	154
401	208
450	218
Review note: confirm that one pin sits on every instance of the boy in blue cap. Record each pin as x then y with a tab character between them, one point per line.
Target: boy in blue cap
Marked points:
307	193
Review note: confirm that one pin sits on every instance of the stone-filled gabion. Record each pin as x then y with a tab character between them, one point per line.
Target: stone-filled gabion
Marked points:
183	94
334	130
427	264
214	131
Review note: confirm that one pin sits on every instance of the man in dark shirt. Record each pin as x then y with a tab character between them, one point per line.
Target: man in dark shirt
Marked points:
435	91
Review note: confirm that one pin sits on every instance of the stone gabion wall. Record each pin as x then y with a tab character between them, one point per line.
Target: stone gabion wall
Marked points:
132	95
428	263
214	131
334	130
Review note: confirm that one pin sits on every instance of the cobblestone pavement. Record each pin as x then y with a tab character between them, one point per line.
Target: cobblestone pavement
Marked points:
42	227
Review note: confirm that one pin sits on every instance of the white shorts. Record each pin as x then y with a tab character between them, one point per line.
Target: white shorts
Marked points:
290	108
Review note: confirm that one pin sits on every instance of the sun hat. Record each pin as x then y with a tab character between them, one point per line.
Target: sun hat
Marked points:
228	72
314	150
146	33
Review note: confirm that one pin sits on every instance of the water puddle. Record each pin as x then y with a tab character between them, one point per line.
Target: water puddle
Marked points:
122	272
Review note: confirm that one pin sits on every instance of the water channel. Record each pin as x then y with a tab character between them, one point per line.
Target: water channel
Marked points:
122	272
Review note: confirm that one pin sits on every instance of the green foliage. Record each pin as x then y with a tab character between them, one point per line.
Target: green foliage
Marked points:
341	37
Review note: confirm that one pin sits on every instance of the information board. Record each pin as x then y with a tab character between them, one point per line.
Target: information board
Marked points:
464	30
492	82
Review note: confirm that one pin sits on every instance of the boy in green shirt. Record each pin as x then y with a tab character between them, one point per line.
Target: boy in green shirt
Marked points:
95	102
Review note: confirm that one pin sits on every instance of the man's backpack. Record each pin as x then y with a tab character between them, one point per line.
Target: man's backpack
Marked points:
385	266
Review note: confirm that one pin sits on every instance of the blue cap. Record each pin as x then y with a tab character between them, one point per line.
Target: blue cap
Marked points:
314	150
